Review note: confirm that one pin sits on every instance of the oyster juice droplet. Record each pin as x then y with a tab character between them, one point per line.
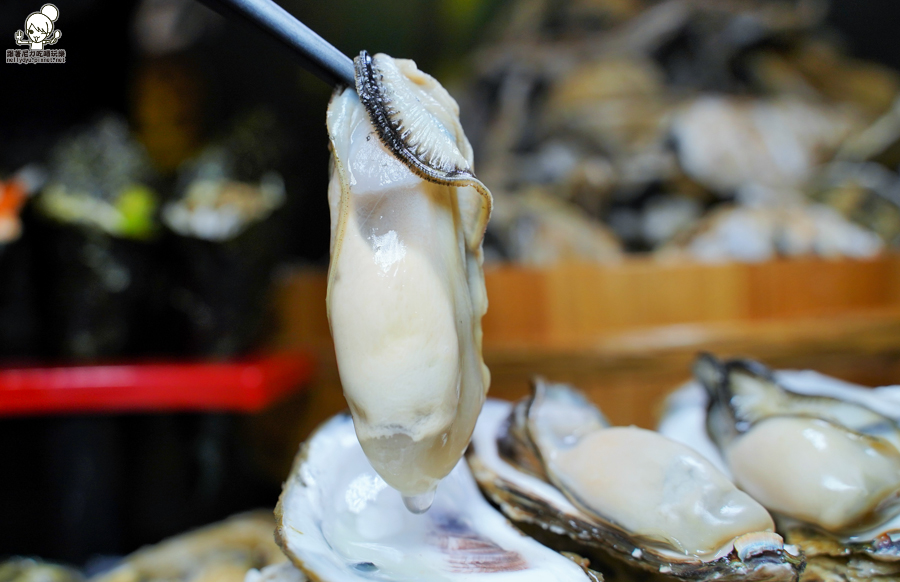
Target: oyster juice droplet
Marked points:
405	282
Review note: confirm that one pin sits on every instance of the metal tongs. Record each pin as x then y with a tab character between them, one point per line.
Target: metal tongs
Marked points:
319	57
314	53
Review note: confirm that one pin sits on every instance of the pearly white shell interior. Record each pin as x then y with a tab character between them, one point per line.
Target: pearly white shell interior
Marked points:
341	522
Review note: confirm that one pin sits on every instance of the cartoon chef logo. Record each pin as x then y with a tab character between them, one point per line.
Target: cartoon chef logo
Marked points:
39	29
40	33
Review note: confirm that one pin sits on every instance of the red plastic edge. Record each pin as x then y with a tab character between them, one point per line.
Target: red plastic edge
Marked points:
240	386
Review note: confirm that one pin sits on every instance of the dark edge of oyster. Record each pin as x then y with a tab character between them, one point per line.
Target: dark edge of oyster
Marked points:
514	442
726	405
383	116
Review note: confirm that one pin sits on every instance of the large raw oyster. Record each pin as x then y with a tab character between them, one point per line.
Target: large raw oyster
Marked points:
338	521
405	283
825	407
842	465
553	461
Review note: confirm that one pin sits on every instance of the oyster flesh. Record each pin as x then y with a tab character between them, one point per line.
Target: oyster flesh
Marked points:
841	472
553	461
405	283
689	418
338	521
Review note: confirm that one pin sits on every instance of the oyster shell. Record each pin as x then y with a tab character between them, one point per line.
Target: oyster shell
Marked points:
662	508
219	552
405	283
338	521
283	572
843	465
831	557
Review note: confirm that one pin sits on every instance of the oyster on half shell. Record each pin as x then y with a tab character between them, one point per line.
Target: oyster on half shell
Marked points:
338	521
405	283
689	418
821	460
553	461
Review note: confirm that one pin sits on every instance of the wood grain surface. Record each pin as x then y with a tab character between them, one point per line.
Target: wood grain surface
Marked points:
627	333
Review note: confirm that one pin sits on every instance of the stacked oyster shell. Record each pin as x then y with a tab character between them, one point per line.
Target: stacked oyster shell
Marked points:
710	130
822	455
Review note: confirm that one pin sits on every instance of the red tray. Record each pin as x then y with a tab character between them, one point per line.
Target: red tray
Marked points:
244	385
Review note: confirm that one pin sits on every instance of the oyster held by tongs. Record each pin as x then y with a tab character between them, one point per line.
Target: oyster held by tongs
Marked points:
405	283
338	521
552	460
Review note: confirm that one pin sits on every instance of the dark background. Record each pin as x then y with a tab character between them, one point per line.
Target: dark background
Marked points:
240	67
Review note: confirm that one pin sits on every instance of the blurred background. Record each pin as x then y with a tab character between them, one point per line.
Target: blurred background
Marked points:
669	176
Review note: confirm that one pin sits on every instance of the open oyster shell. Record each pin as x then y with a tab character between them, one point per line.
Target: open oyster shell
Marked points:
338	521
695	419
843	465
509	459
220	552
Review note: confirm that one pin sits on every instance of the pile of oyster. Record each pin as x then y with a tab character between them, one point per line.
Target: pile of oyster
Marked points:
630	500
382	493
713	130
820	454
746	480
652	506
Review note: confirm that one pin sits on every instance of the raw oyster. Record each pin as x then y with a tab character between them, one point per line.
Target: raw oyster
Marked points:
220	552
618	105
538	228
763	232
841	472
660	506
405	283
725	143
338	521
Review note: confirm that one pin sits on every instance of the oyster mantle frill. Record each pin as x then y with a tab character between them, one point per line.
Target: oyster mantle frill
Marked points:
636	497
405	283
